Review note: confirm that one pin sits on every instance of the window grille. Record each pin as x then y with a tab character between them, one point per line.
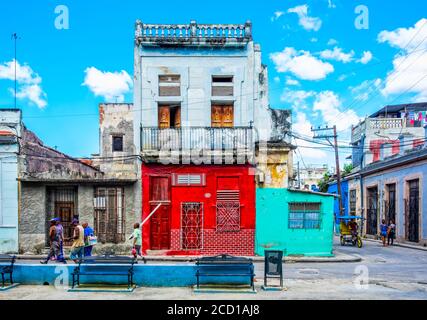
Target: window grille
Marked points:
304	215
109	215
191	226
228	216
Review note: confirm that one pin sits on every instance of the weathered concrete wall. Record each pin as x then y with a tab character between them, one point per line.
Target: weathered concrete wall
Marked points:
117	120
42	162
32	224
274	165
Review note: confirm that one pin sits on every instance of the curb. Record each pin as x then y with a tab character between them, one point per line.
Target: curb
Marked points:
402	245
341	258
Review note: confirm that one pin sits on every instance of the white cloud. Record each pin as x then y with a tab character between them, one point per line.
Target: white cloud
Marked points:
331	5
314	40
301	63
29	82
307	22
111	86
277	15
337	54
332	42
408	38
292	82
329	105
366	58
363	90
298	98
276	79
311	151
409	65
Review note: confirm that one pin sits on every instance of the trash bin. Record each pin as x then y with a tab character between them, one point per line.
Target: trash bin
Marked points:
273	266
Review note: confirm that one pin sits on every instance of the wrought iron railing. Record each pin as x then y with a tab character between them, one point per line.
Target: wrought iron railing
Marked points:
198	138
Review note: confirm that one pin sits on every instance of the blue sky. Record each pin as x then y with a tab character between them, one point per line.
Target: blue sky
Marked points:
312	48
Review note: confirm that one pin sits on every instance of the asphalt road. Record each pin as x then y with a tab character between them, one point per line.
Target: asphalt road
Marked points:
391	273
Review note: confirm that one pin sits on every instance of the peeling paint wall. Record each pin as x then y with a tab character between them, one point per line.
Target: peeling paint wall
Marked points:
10	123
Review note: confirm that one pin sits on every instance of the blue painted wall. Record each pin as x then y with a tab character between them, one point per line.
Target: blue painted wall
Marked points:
272	224
333	189
400	176
10	121
164	275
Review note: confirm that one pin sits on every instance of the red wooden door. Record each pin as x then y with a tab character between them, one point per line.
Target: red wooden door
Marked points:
160	221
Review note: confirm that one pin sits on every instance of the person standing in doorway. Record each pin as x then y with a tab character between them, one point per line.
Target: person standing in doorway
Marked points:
391	232
53	242
88	232
383	230
77	248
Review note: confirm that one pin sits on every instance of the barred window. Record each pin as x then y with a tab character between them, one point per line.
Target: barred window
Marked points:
304	215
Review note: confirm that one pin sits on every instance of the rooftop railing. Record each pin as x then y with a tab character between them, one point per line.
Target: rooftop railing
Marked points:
193	33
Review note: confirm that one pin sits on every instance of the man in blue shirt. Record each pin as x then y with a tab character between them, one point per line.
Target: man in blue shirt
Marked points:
88	233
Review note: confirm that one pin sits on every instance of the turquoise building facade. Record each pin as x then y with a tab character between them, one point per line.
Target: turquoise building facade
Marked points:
10	128
297	222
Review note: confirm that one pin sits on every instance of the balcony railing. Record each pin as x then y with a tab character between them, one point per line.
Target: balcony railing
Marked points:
198	138
192	33
386	123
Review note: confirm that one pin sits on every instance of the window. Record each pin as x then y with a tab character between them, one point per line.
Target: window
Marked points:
222	86
117	143
304	215
191	226
352	202
109	217
197	179
222	116
169	116
169	85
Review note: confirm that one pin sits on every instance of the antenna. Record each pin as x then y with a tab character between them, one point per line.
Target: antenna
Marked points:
15	39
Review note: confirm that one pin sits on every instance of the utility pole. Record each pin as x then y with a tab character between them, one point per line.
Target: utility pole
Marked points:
327	134
15	38
299	178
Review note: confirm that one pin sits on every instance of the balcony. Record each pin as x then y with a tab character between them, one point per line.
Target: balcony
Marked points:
193	34
209	141
379	124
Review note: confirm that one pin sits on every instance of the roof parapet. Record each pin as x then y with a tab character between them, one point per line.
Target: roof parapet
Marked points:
193	34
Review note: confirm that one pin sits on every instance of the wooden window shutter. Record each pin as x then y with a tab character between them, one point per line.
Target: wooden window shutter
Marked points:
164	117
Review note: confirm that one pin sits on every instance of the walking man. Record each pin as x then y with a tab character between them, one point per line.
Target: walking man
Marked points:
391	232
88	232
54	242
77	248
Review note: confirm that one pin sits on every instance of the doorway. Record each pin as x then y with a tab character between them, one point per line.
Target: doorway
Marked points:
160	224
372	212
413	212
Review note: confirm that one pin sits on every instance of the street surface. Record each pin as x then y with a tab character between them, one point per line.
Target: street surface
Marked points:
384	273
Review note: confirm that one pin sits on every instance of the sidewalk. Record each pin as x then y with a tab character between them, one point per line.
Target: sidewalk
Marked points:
400	244
338	258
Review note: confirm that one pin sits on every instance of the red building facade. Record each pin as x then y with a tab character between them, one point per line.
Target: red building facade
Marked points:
205	210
